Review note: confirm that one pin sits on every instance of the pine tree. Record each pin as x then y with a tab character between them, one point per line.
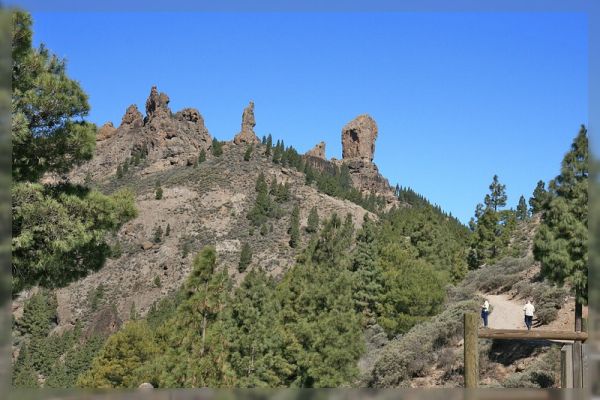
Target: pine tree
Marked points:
257	339
318	314
313	221
294	229
245	257
368	277
158	234
121	360
217	148
263	206
264	140
158	191
248	153
540	199
24	374
561	243
49	133
202	156
168	230
522	211
193	343
269	145
277	152
497	197
119	171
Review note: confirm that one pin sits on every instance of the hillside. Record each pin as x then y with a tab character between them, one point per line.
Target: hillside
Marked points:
506	284
202	204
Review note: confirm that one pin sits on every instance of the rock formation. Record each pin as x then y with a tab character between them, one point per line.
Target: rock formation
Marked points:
317	151
106	131
358	148
133	118
157	105
358	139
163	137
247	135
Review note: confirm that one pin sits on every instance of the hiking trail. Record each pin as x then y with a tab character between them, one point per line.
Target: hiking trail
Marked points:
506	313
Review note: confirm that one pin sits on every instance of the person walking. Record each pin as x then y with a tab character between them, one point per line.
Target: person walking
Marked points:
529	309
485	311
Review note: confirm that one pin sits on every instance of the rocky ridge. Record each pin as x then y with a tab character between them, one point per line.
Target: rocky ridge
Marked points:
203	204
162	137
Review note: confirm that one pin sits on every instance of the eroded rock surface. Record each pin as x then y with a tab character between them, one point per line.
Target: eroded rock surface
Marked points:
358	138
163	138
317	151
106	131
133	118
246	134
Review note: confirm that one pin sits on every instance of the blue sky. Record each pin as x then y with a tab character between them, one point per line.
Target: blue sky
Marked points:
458	97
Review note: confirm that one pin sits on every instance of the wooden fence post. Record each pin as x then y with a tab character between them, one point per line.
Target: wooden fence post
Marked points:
566	366
471	325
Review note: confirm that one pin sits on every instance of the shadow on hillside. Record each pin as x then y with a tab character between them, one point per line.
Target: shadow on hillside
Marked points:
507	352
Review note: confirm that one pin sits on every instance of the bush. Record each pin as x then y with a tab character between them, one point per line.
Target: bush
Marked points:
500	277
542	373
409	355
547	299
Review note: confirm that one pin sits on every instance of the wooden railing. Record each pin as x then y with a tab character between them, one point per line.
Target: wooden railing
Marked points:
472	333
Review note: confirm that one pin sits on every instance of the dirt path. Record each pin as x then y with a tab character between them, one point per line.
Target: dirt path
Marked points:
506	313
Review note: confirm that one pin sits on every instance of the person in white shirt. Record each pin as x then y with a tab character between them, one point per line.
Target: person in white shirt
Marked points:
485	311
529	309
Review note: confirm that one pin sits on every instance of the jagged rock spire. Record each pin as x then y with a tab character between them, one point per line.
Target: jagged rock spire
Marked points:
157	104
133	117
247	135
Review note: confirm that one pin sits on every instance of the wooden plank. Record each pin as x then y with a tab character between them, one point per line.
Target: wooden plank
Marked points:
532	334
471	324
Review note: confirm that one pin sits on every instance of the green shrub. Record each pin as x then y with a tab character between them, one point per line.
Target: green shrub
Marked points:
411	354
542	373
96	297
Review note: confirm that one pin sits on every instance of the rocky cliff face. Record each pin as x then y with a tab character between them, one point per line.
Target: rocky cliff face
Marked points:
162	137
246	134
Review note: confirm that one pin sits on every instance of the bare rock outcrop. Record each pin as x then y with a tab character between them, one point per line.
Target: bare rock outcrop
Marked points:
358	139
247	135
317	151
157	105
106	131
133	118
164	138
358	148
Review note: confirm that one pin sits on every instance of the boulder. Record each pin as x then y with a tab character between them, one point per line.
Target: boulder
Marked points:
358	139
317	151
247	135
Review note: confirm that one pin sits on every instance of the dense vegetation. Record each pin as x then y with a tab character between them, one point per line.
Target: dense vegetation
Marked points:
562	241
59	230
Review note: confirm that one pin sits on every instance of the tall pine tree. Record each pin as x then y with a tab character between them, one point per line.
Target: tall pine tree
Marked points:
561	243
